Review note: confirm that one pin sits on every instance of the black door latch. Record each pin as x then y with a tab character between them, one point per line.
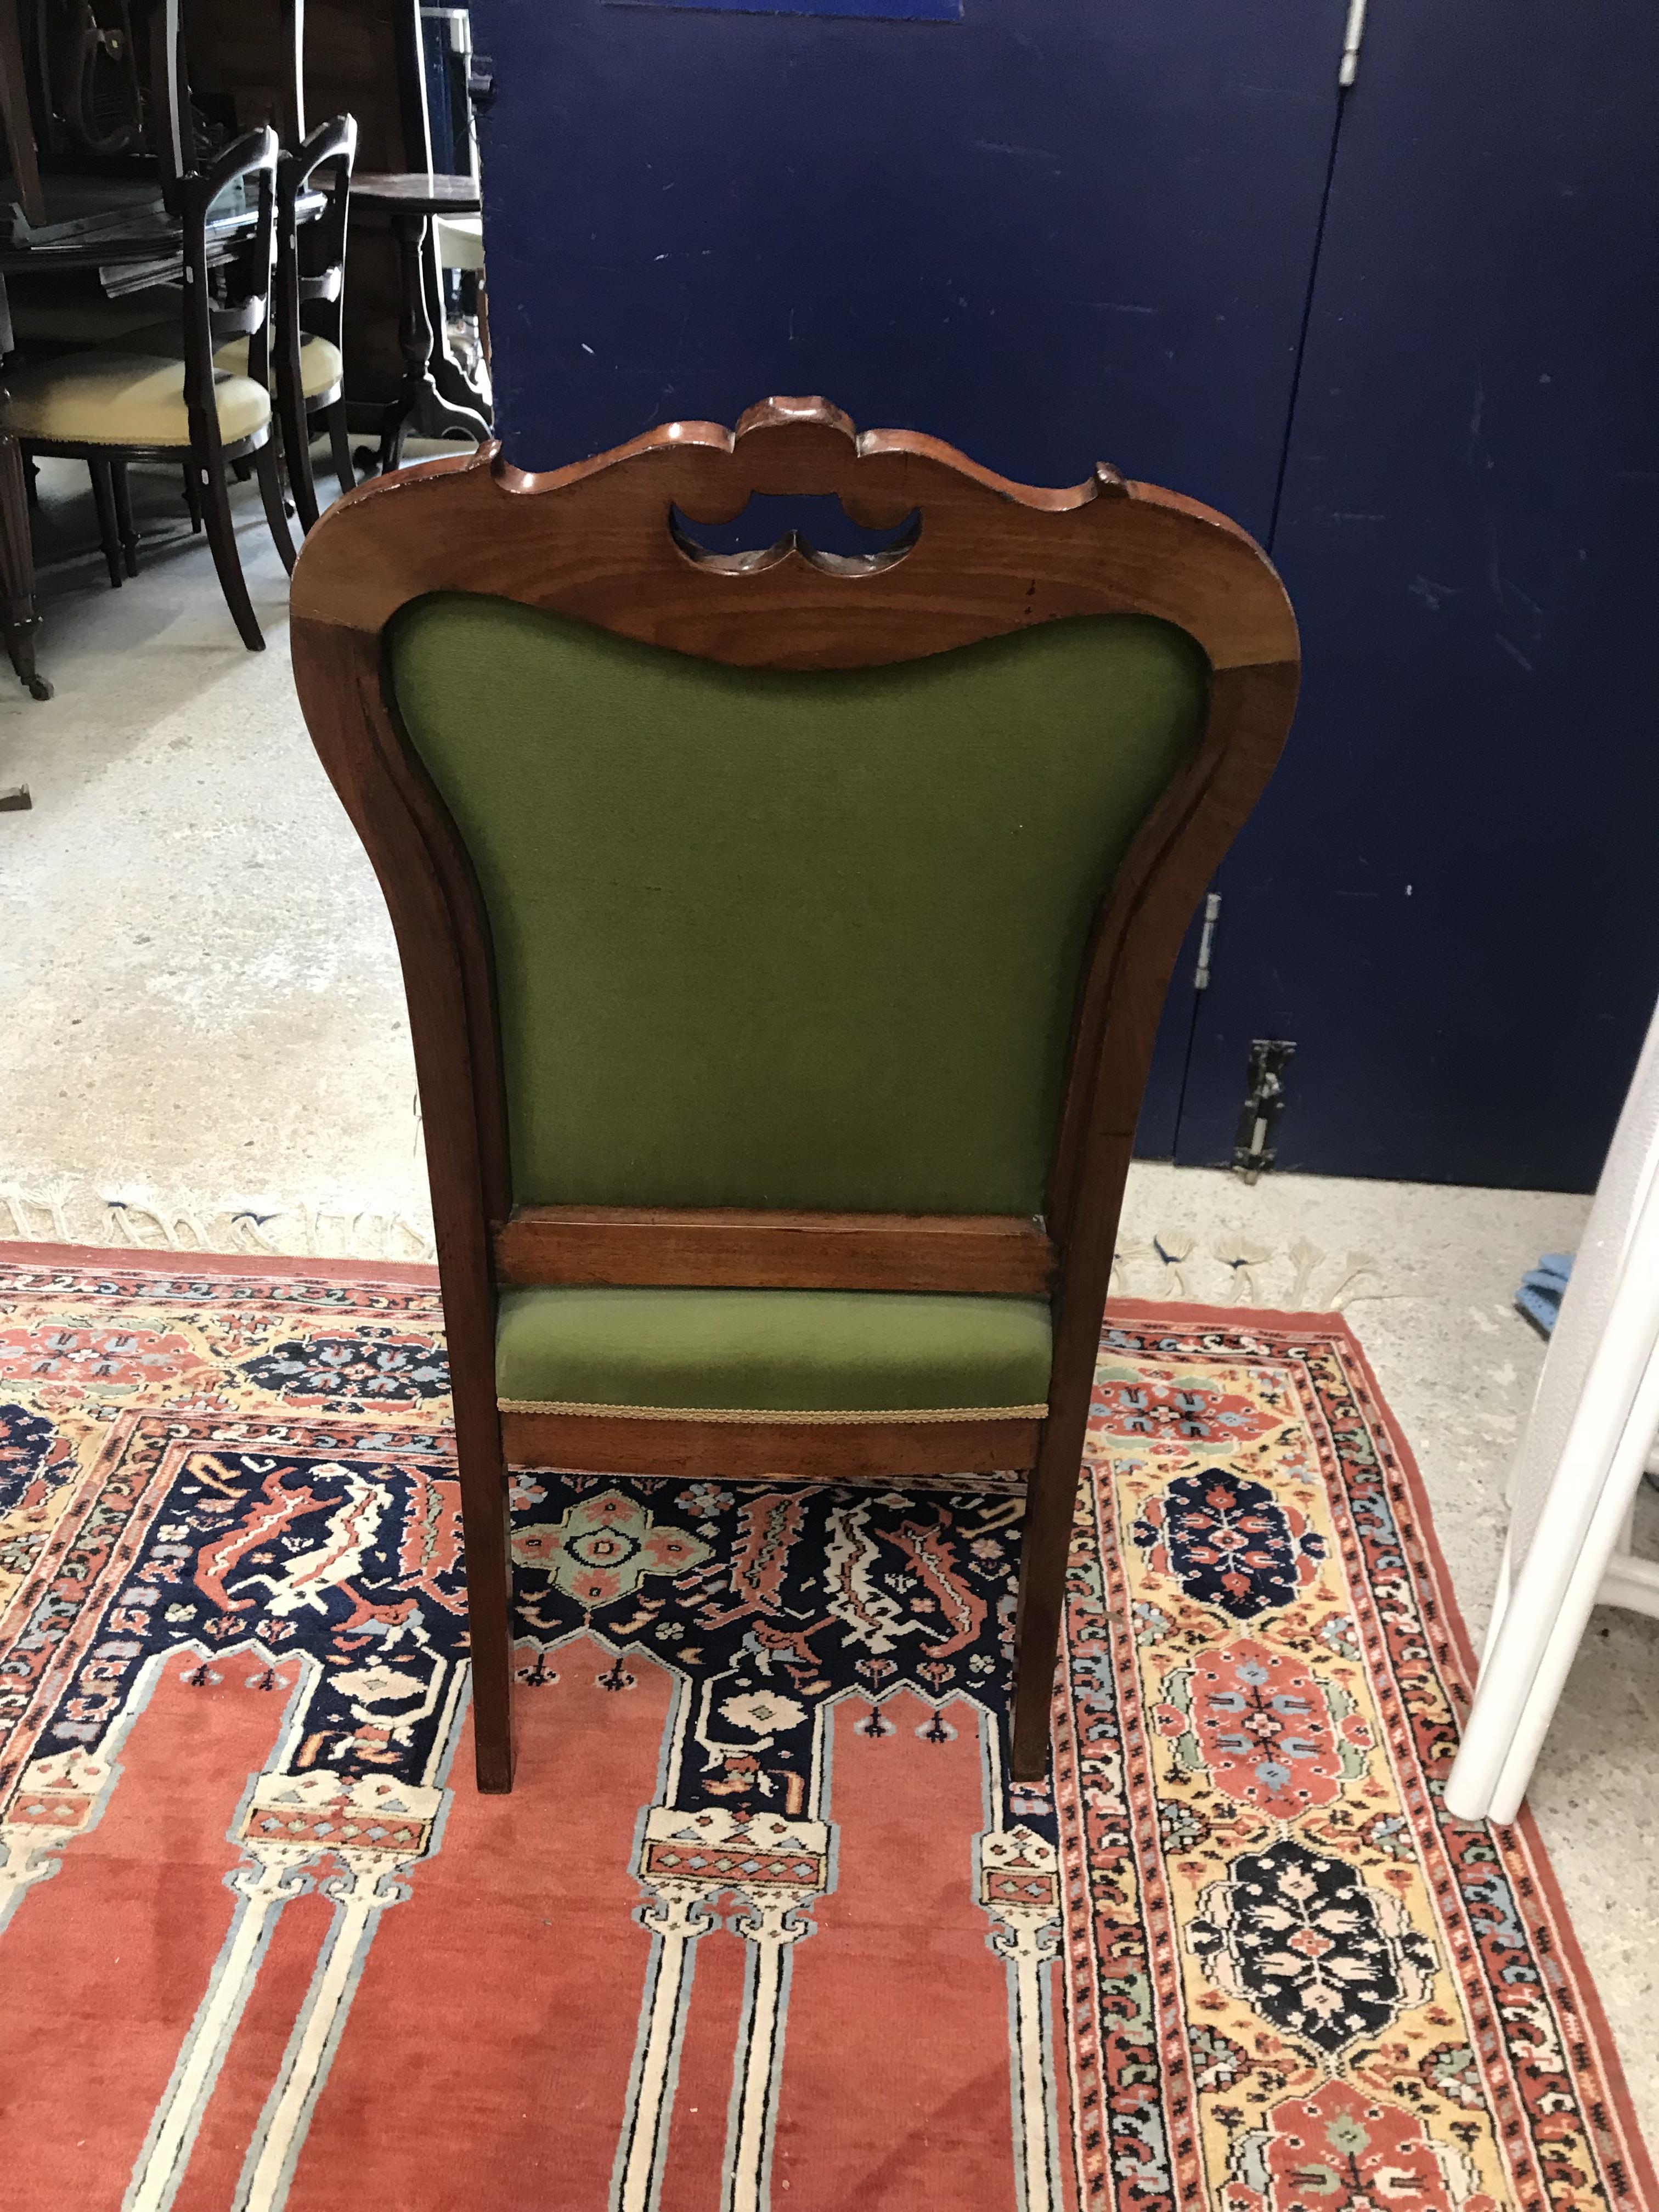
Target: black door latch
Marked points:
1254	1148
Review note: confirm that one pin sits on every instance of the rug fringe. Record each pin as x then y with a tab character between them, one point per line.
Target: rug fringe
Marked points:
135	1217
1174	1265
1171	1266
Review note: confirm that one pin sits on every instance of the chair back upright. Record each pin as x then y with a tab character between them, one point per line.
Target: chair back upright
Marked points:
167	117
313	300
207	322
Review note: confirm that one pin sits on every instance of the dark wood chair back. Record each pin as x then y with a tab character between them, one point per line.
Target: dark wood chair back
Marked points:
610	543
311	267
249	274
247	278
317	290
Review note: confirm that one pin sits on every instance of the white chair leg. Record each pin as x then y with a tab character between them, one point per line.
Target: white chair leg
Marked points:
1538	1631
1589	1586
1628	1526
1531	1650
1500	1602
1573	1482
1633	1584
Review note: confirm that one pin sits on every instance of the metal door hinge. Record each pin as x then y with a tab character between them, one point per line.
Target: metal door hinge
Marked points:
1206	943
1352	38
1264	1102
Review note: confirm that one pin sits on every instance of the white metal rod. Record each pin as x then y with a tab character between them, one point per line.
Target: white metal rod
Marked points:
1352	40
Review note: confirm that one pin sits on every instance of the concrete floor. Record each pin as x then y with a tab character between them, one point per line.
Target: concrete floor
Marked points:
205	1046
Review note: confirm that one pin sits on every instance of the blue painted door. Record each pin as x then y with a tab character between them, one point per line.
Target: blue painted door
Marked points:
1052	233
1447	899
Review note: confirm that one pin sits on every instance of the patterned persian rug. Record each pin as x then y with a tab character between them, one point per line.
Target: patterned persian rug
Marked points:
763	1924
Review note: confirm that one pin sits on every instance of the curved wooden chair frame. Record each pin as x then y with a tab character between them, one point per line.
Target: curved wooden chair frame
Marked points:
321	288
599	541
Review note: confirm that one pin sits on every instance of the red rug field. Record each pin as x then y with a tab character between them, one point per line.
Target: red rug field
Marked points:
763	1924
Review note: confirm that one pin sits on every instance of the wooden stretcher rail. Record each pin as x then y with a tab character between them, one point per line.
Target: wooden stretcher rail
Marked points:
866	1450
730	1248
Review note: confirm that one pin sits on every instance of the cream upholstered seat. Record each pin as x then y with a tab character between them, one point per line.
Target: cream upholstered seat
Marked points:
321	366
460	242
114	397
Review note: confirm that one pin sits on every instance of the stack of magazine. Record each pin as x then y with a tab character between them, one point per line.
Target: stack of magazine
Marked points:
81	211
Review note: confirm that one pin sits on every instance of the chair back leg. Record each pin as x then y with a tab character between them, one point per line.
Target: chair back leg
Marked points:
103	495
222	542
1045	1545
123	522
340	445
296	430
484	1519
192	497
394	429
270	490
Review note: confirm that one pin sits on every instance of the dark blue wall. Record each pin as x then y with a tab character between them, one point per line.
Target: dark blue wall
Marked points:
1052	234
1058	232
1448	897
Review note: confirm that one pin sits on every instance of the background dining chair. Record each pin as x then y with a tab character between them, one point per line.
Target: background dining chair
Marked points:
131	402
311	308
308	301
785	935
1572	1492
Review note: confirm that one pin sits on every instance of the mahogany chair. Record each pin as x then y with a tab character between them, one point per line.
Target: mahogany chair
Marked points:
785	935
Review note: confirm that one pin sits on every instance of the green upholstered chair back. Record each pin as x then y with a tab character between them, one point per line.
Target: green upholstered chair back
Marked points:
780	939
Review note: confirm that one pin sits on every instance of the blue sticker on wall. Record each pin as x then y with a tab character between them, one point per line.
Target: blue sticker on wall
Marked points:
903	11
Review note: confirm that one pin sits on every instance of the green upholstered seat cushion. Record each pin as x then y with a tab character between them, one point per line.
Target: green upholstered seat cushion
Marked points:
766	939
777	1351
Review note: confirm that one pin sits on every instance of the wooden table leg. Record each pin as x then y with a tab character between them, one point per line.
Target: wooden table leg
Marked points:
420	401
17	616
